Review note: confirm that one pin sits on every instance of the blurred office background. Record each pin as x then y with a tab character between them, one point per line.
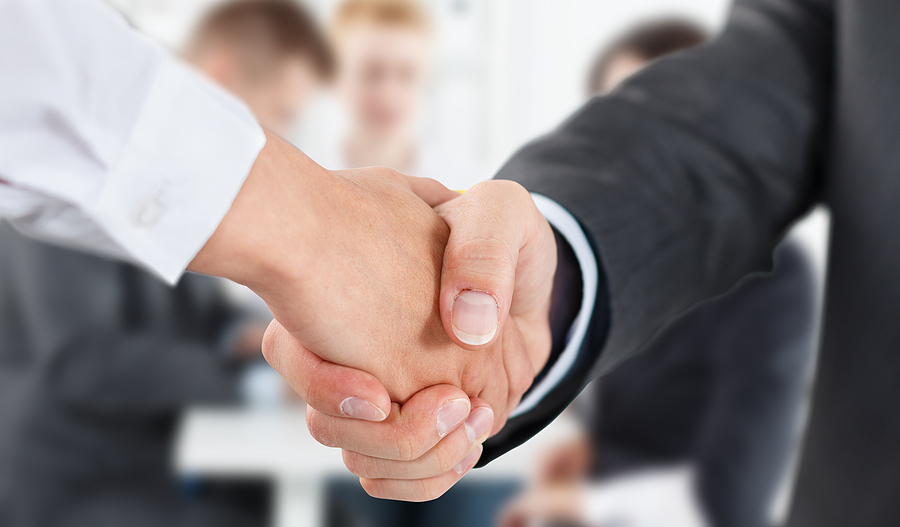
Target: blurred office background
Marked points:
505	72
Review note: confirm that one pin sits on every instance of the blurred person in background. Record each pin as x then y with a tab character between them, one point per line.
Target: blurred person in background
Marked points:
98	358
384	53
698	428
270	53
385	60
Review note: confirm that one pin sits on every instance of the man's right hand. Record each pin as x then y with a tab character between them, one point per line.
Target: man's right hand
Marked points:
350	265
499	244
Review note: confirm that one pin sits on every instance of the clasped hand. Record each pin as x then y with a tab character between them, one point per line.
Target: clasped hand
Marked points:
410	319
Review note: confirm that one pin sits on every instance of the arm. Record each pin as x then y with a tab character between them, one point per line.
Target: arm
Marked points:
765	349
110	144
685	178
701	159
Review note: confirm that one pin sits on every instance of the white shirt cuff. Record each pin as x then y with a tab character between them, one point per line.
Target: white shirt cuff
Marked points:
569	228
187	159
187	156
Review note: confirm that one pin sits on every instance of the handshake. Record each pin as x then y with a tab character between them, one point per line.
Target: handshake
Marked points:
411	319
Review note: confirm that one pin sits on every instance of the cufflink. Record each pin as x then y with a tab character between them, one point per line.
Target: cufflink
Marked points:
147	212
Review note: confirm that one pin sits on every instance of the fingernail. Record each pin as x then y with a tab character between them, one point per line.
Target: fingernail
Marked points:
451	414
359	408
469	461
479	422
474	317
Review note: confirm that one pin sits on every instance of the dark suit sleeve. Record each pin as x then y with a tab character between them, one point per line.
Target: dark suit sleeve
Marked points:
81	322
764	349
686	177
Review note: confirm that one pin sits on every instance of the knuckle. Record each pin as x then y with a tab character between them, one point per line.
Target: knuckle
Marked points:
357	464
407	448
482	245
445	458
483	255
430	489
431	182
373	488
411	440
315	394
319	430
270	344
503	188
519	384
390	173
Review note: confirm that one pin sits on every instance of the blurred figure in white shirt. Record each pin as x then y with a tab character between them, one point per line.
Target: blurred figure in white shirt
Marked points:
270	53
384	50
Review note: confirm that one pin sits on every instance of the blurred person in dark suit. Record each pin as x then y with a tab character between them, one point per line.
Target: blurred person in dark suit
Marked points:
384	53
639	47
98	358
715	397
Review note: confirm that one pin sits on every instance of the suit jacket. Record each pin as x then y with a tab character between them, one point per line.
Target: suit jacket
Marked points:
721	388
686	177
97	360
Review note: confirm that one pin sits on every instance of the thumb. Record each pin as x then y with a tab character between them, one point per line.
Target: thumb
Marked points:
329	388
479	269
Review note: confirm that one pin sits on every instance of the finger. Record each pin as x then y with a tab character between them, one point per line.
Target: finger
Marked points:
447	454
421	489
520	370
509	379
330	388
430	191
487	229
408	432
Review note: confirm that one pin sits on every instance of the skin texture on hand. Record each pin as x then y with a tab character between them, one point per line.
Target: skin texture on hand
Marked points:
350	263
501	245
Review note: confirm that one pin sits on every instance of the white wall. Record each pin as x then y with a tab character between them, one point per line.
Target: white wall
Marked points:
507	70
547	46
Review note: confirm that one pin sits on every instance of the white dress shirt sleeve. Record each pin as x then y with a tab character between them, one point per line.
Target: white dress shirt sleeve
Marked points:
569	228
110	144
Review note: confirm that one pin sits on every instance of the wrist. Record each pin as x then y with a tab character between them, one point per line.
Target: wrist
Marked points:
265	240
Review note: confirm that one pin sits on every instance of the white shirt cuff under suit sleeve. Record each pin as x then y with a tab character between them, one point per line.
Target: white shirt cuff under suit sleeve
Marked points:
110	144
569	228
